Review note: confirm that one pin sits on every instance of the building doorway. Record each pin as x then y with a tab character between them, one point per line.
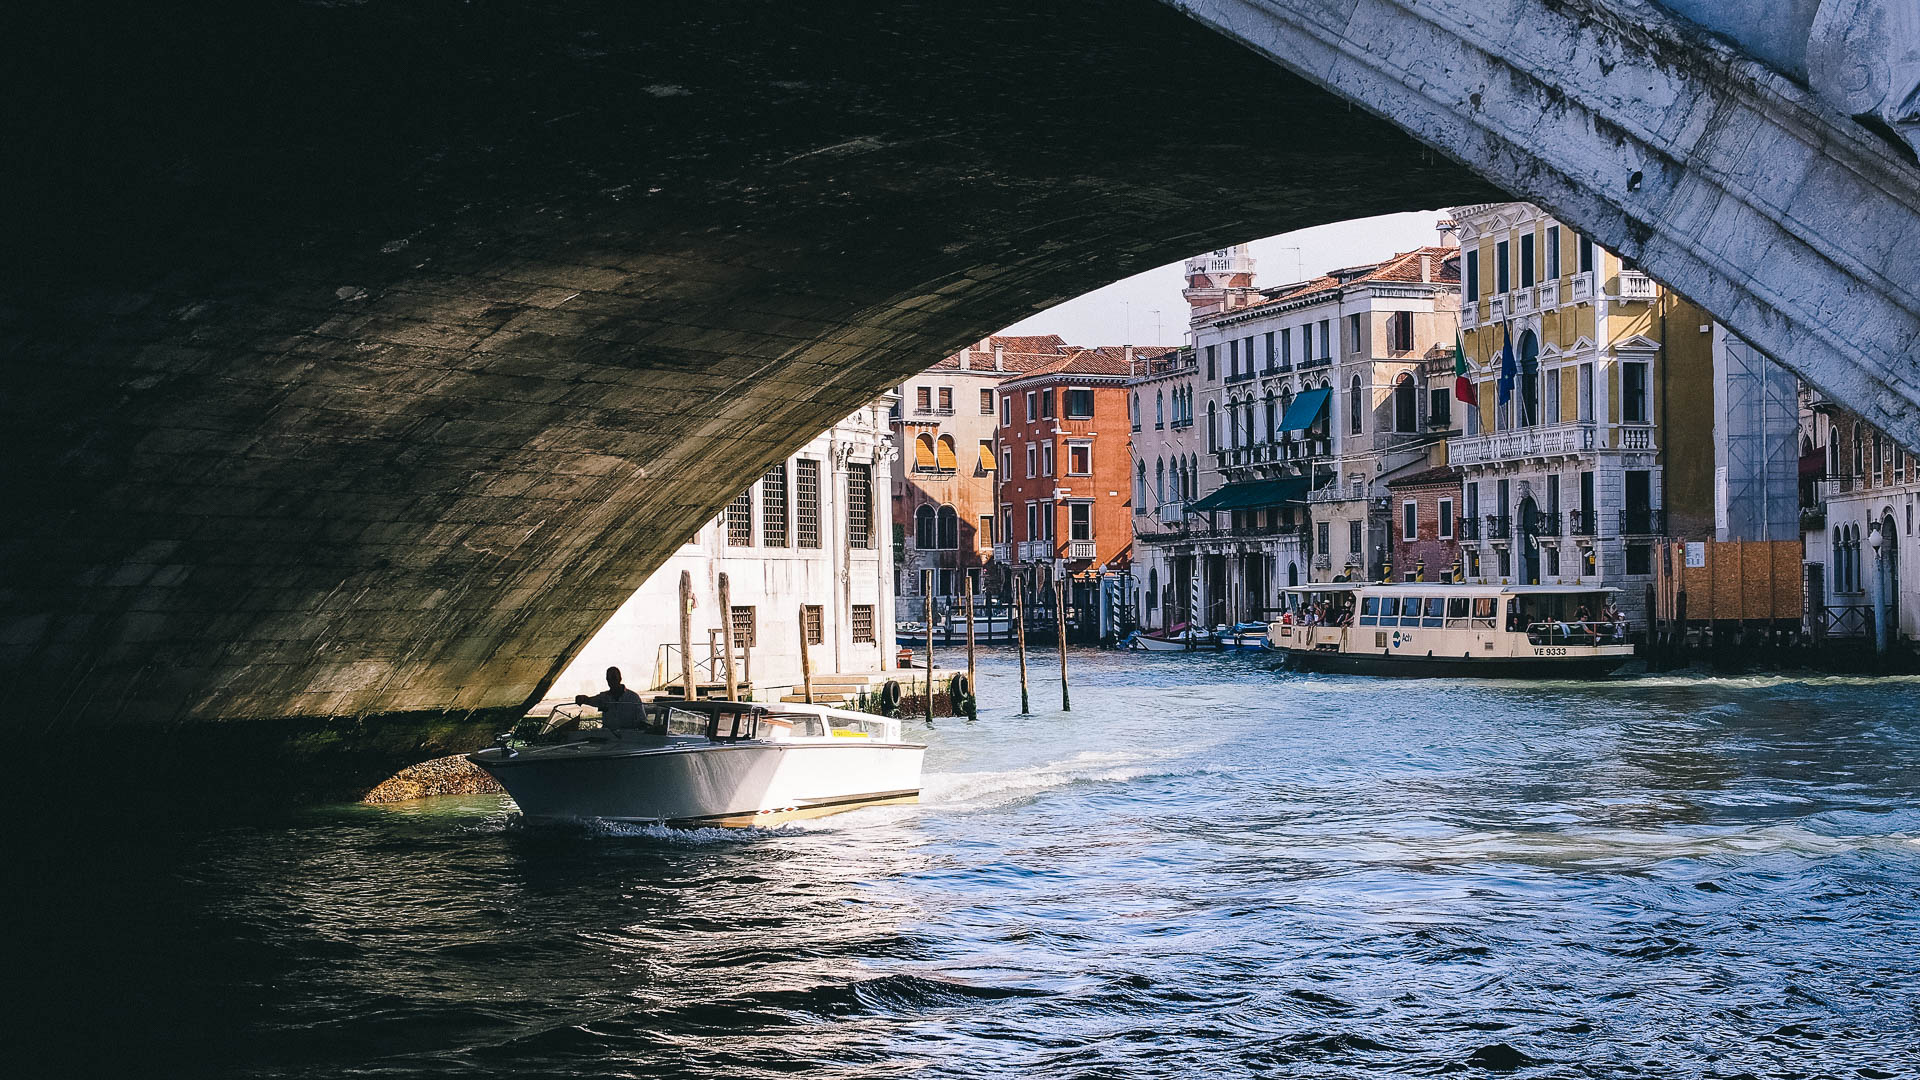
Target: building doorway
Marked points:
1890	551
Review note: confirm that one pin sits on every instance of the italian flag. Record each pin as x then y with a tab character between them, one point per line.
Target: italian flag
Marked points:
1462	384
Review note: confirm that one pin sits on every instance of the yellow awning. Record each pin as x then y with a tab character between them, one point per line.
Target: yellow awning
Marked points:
986	456
923	452
948	459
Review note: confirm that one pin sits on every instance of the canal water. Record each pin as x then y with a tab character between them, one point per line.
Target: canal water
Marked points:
1208	868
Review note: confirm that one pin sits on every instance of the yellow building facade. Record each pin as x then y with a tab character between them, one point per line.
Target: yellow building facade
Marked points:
1602	442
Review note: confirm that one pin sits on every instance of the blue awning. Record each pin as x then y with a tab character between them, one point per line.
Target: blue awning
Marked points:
1253	494
1306	409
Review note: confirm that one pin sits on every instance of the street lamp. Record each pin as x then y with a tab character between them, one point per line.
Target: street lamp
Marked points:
1874	541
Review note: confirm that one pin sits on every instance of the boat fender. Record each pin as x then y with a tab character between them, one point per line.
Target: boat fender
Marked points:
960	694
890	696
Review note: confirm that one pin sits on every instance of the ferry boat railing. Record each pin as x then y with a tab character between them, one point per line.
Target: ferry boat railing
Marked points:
1556	632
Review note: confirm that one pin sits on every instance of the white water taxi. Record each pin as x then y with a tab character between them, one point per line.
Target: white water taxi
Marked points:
709	763
1530	631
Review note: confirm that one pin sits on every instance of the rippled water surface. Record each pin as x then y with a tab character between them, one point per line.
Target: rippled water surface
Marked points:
1207	868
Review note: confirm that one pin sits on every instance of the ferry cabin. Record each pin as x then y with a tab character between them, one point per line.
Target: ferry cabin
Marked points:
1451	629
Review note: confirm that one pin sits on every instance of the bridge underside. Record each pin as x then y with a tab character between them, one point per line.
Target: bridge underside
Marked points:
370	356
361	359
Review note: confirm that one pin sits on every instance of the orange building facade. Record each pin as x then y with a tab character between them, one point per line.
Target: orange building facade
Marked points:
1065	459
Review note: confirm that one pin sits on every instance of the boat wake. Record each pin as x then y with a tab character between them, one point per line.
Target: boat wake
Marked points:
984	790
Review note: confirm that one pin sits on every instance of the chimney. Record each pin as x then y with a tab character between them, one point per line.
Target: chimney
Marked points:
999	358
1426	268
966	359
1129	353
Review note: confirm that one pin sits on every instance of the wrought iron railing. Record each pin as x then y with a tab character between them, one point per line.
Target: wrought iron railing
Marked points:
1499	527
1643	522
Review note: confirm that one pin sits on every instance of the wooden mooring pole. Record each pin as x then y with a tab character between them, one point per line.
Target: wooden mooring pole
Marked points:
1020	642
726	637
928	593
973	691
806	660
686	634
1060	621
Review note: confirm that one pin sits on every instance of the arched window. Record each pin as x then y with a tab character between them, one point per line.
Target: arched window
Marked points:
1153	587
1140	485
1859	452
1529	379
949	529
949	457
1406	405
923	530
1273	418
1879	456
1159	481
1193	477
1213	429
1160	409
924	457
1354	407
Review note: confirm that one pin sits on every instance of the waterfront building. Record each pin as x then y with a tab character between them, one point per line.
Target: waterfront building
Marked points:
1066	464
1856	485
1594	441
803	545
945	470
1166	477
1307	402
1425	507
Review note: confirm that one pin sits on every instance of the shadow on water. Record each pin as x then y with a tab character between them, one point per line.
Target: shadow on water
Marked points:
1208	867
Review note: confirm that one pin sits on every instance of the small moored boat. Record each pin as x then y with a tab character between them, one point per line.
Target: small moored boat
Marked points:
1528	631
1177	639
709	763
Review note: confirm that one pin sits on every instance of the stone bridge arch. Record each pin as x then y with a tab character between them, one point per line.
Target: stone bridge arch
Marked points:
361	359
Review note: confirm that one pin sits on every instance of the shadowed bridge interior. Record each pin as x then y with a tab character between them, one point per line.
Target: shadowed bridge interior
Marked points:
363	358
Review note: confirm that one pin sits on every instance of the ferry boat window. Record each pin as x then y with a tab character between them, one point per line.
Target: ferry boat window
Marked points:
1370	611
1436	611
1457	611
1485	611
1389	610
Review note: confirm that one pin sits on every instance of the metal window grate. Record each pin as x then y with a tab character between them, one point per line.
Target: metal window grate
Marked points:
773	506
816	619
863	623
806	492
743	628
860	505
740	520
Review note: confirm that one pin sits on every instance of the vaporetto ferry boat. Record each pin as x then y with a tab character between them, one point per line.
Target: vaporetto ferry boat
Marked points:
1527	631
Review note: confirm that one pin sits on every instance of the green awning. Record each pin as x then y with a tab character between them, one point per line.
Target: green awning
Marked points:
1306	409
1254	493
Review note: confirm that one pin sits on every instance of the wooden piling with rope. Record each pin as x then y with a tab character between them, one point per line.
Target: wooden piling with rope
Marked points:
928	594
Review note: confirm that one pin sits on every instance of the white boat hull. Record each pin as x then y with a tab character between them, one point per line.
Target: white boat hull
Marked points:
1203	642
691	783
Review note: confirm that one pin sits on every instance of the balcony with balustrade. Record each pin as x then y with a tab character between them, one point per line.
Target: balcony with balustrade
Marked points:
1549	292
1582	524
1466	528
1469	315
1499	527
1080	549
1634	286
1497	307
1581	288
1546	526
1531	442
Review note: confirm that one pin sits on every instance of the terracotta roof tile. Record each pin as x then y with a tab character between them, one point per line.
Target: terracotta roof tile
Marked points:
1444	268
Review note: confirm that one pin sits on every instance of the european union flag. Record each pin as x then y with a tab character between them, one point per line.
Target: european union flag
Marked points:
1508	370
